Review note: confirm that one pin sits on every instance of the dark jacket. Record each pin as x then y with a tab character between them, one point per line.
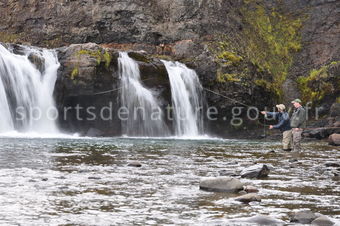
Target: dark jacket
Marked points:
283	120
298	119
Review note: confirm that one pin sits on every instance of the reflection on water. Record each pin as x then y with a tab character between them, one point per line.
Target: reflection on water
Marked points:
87	181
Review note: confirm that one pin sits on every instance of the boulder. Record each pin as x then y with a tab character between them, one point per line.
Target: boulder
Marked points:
303	217
256	171
251	197
334	139
322	221
221	184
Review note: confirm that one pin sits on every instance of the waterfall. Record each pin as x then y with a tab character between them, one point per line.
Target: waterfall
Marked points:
145	117
187	99
26	91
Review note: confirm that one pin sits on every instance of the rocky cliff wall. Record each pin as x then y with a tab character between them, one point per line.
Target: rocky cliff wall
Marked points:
254	53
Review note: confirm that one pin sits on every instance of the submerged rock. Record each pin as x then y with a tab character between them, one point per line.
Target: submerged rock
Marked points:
303	217
228	173
221	184
322	221
93	178
264	220
251	197
135	164
250	189
256	171
332	164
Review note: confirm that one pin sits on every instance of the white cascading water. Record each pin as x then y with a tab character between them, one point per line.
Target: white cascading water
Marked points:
25	91
145	117
187	99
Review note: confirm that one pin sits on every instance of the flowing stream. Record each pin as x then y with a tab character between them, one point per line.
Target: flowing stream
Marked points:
27	103
89	182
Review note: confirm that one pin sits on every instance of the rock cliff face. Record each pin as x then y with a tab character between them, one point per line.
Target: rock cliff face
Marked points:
252	53
104	21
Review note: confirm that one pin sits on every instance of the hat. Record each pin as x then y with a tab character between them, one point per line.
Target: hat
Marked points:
281	107
296	101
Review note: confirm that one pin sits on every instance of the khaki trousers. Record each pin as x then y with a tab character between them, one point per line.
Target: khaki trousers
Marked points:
287	139
297	139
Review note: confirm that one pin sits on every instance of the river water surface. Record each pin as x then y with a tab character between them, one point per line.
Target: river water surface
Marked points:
88	182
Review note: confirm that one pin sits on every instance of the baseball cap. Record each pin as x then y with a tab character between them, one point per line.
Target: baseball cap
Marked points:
296	101
281	106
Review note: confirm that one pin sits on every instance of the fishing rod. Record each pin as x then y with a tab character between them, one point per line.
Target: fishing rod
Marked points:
112	90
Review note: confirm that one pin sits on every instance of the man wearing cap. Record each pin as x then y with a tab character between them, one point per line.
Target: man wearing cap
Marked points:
297	122
283	125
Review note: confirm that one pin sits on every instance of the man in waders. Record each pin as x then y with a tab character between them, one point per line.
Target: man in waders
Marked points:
297	122
283	125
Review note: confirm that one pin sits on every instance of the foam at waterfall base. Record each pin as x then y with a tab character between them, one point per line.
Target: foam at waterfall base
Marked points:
36	135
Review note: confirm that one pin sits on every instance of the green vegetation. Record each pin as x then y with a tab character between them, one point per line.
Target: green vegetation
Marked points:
272	40
53	43
267	43
99	55
75	72
225	77
9	38
229	58
162	57
318	84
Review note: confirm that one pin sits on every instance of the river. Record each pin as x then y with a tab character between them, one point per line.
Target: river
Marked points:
87	181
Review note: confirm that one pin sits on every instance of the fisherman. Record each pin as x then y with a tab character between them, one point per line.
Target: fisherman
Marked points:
298	122
283	125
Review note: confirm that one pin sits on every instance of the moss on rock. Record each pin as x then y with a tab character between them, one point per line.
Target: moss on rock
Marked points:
266	45
319	83
100	55
74	73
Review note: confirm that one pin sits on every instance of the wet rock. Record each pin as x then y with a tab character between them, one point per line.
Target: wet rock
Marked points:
251	197
94	178
256	171
322	221
292	160
38	61
269	152
250	189
335	110
135	164
321	133
228	173
303	217
221	184
334	139
44	179
242	192
332	164
264	220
